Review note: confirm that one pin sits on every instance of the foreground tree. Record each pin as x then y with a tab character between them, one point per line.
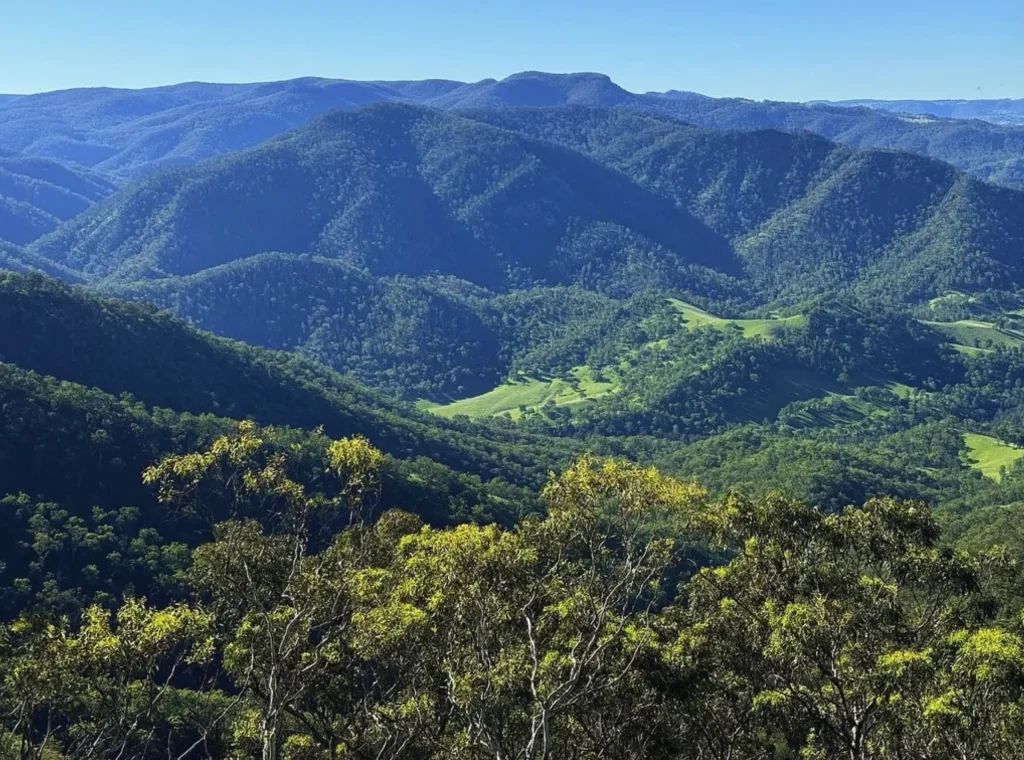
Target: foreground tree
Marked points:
840	631
529	642
276	582
851	636
104	690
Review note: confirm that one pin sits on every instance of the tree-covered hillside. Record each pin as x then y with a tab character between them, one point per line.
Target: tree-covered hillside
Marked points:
14	258
991	152
807	216
397	189
215	550
401	190
36	195
121	347
505	259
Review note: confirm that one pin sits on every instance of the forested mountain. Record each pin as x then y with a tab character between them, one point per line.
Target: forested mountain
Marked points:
440	257
989	151
93	391
130	133
398	189
176	558
535	89
36	195
750	217
410	337
806	215
1001	111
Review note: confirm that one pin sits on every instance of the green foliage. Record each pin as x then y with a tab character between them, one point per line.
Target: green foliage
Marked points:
854	635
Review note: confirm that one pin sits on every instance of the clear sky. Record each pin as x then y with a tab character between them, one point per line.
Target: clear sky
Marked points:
786	49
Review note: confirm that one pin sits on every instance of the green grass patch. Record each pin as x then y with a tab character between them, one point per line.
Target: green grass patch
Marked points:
695	317
989	454
971	336
902	390
531	393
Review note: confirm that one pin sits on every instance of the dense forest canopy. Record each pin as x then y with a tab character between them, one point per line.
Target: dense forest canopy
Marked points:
586	632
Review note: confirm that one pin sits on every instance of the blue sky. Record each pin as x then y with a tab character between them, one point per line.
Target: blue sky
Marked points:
787	49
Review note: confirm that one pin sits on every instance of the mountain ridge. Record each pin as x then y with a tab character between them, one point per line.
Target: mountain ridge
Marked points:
603	198
1008	111
476	201
131	133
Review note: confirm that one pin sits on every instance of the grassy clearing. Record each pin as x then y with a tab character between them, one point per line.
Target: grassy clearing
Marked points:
976	336
989	454
950	296
531	393
752	328
902	390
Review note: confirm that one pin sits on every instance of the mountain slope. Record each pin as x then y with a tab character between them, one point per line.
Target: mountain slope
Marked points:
401	335
536	89
36	195
399	189
808	216
130	133
16	259
991	152
127	348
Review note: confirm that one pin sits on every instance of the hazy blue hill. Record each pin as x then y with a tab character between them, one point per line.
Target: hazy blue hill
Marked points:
537	89
998	111
21	222
422	90
677	95
989	151
397	189
16	259
36	195
131	133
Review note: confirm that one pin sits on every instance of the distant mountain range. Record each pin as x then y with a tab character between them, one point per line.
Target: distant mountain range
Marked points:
131	133
1001	111
531	225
